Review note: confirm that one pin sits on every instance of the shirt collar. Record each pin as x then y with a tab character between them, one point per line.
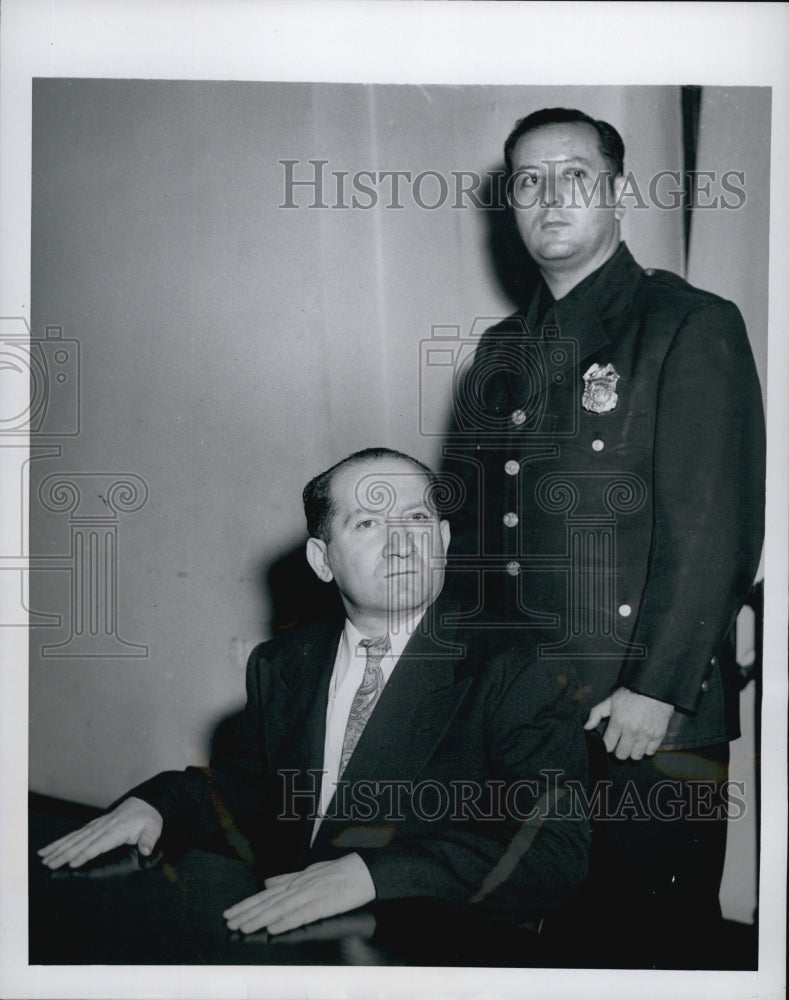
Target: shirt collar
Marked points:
398	640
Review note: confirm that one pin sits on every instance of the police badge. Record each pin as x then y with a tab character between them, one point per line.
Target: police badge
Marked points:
600	389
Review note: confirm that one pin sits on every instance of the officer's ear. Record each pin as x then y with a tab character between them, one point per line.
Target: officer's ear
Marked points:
318	558
619	187
445	535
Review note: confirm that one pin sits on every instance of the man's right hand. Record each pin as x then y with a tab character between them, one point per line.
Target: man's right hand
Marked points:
133	822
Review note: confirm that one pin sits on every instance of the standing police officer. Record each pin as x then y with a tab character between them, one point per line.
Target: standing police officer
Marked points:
610	441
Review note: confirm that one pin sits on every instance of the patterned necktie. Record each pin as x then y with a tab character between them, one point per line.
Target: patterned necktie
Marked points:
365	698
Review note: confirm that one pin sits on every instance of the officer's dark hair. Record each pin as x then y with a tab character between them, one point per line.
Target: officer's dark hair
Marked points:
319	504
609	140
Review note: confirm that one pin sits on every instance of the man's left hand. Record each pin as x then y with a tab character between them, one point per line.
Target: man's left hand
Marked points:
636	723
298	898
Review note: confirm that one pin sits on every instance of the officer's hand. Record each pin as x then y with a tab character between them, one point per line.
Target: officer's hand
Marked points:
636	723
132	822
298	898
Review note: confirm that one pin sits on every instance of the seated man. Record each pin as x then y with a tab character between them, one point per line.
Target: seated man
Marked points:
392	756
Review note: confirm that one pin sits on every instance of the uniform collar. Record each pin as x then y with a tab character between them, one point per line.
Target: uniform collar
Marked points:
610	288
582	312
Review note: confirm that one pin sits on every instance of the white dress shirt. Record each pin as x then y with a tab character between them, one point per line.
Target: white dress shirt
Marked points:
346	677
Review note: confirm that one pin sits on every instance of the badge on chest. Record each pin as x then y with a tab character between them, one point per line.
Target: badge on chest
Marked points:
600	394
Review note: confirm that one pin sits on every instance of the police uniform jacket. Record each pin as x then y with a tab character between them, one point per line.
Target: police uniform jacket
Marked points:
623	511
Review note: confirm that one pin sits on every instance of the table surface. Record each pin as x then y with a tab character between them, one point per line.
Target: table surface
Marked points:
171	914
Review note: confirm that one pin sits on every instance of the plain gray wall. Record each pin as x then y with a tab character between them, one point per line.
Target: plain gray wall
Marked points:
232	348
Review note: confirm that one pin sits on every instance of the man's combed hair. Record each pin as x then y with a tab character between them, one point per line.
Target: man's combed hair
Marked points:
612	148
319	506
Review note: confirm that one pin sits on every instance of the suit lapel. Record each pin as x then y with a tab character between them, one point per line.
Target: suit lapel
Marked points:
296	714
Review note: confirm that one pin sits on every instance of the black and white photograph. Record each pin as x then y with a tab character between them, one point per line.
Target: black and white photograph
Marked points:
393	442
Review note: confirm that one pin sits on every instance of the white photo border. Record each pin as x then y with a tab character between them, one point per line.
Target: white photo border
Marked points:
738	44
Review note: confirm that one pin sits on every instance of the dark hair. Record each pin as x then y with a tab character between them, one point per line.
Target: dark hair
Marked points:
612	149
319	505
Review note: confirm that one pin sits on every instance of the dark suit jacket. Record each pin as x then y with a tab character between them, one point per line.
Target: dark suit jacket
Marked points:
457	789
633	534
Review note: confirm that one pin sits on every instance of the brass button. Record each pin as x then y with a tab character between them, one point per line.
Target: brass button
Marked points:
512	468
598	445
518	417
513	568
510	519
625	610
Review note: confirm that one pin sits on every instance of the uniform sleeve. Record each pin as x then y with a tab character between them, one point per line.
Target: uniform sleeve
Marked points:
528	853
709	472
